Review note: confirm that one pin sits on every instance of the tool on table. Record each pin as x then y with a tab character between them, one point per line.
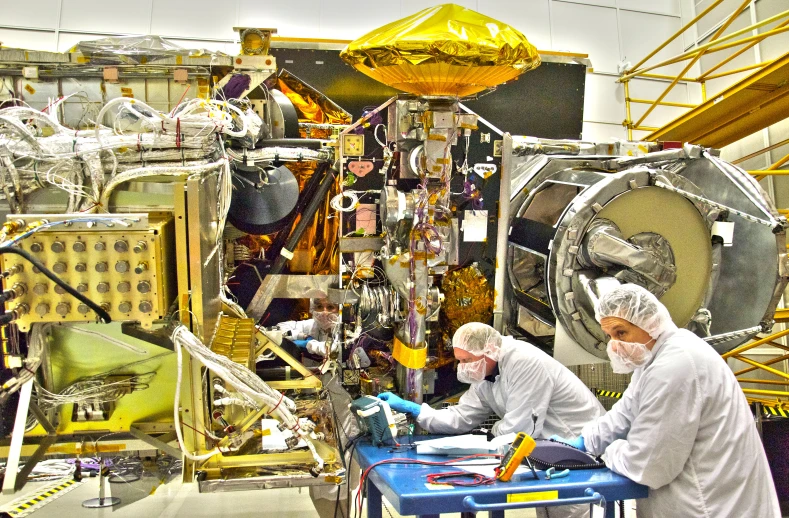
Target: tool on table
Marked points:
551	473
519	451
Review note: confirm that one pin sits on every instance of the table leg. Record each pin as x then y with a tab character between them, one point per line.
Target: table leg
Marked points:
610	509
496	514
374	504
468	515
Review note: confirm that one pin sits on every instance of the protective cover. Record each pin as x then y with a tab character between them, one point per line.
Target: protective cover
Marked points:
443	50
262	200
549	454
134	50
312	106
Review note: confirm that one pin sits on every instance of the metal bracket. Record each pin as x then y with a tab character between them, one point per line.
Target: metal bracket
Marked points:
156	443
14	481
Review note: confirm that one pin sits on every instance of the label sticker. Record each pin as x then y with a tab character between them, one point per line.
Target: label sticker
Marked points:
485	170
533	497
439	487
30	89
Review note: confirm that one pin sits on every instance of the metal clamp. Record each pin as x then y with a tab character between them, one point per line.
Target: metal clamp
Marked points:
591	497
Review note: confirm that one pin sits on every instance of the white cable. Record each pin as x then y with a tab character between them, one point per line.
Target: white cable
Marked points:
109	339
177	411
336	202
245	382
142	172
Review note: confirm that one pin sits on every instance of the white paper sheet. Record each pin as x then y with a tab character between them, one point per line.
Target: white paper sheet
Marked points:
475	226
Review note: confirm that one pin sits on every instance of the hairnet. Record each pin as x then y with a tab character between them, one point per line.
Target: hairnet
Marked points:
478	339
636	305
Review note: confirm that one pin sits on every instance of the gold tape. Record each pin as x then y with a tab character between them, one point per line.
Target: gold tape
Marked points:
533	497
411	358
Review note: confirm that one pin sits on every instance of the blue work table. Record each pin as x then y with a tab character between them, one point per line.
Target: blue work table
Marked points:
406	488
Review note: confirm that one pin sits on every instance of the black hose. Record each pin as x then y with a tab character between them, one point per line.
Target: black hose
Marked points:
306	219
105	317
306	195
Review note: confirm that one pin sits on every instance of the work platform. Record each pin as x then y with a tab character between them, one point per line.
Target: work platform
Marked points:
754	103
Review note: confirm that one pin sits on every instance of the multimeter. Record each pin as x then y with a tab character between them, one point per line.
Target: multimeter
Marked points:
520	448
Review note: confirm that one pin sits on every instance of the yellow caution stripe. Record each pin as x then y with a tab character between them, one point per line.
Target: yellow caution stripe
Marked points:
774	411
607	393
34	501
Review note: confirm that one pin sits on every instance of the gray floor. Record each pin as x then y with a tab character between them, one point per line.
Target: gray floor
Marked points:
147	498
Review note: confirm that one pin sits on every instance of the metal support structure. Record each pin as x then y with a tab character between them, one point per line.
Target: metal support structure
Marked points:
741	41
15	478
502	235
156	443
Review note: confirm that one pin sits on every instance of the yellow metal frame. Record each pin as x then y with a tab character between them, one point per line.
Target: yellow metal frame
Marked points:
745	39
775	398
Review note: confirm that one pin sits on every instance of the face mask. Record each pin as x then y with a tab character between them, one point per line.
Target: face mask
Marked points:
628	355
472	372
325	319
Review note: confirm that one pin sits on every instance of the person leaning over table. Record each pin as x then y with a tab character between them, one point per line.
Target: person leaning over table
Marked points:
514	380
683	426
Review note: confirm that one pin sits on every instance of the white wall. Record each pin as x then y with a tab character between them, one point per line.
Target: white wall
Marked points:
608	30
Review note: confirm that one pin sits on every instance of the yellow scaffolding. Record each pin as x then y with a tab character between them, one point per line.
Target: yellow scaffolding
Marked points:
755	102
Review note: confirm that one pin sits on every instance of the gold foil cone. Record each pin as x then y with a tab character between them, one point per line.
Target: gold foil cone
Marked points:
443	50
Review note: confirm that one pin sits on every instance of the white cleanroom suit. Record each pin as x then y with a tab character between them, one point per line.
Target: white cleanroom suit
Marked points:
684	429
529	381
526	381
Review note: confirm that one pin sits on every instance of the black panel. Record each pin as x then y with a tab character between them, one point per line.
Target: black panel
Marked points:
546	102
531	234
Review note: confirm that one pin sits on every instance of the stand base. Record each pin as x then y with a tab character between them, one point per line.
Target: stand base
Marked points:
95	503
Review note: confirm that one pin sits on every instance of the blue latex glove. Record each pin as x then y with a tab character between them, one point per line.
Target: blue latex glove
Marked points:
400	405
577	443
302	344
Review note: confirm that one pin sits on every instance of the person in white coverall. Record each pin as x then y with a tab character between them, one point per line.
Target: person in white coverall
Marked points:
515	381
683	427
315	333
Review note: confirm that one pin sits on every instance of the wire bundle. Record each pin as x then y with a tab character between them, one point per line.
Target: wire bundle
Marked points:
35	355
244	381
77	161
94	389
